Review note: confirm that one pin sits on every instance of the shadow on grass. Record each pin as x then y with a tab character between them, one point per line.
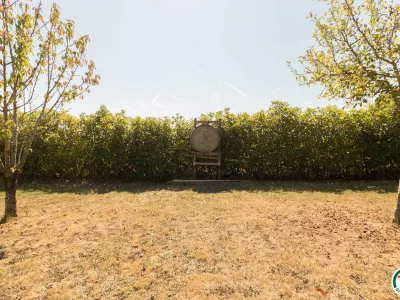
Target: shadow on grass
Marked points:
103	187
3	253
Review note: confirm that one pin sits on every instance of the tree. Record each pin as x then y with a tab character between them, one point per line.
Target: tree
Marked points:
42	67
357	54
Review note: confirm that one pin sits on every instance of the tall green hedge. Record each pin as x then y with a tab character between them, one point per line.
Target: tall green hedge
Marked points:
281	142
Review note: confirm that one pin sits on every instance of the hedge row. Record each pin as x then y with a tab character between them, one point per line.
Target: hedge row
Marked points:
281	142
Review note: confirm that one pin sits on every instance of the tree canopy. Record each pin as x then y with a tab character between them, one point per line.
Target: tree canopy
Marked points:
357	51
357	54
43	65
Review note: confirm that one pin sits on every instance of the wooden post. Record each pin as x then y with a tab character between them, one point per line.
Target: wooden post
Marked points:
194	154
194	166
219	171
219	149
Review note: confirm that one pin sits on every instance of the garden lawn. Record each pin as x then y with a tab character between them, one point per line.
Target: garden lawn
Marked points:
269	240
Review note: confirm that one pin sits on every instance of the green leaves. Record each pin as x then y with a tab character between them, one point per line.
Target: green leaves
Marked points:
281	142
356	54
37	51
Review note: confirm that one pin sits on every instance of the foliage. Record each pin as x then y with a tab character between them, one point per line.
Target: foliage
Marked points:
43	66
281	142
356	55
356	58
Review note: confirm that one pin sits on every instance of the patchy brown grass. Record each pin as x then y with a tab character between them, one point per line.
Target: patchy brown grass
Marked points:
277	240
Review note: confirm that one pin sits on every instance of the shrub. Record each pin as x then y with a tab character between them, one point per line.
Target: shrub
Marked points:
281	142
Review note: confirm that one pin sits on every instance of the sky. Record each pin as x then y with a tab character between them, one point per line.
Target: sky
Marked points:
166	57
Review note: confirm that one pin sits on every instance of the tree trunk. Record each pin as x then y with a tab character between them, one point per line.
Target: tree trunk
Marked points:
397	211
10	187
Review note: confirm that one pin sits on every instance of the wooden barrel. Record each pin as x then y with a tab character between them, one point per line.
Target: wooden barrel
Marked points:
205	139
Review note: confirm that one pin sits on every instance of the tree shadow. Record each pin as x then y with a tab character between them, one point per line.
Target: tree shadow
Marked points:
103	187
3	254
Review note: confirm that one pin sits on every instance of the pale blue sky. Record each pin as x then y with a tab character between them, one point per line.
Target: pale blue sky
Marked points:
162	57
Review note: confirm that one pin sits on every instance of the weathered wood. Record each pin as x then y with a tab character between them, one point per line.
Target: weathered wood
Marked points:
208	122
207	164
175	181
212	157
209	154
207	138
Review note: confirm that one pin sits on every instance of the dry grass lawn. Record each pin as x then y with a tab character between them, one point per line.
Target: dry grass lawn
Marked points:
272	240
